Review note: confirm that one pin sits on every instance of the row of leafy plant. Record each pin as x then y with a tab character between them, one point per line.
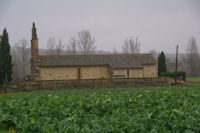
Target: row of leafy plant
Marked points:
169	109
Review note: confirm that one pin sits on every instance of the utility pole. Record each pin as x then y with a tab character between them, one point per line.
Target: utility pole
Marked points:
176	64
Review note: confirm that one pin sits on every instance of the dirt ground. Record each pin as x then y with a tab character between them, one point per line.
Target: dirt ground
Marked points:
194	83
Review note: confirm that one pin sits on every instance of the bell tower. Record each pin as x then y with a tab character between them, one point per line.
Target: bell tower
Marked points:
34	52
34	43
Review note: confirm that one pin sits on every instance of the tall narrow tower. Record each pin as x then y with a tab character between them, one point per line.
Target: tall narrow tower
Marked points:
34	43
34	52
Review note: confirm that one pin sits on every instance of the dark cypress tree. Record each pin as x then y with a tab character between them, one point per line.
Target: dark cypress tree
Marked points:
5	59
1	65
161	64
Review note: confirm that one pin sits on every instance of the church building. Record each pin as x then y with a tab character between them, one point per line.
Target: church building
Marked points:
66	67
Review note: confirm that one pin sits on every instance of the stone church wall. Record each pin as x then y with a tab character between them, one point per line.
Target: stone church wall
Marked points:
94	72
58	73
65	73
150	71
136	73
117	72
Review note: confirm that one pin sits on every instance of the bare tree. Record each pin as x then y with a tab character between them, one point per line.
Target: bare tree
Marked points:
72	46
192	57
131	46
59	47
16	64
51	45
22	57
154	53
85	42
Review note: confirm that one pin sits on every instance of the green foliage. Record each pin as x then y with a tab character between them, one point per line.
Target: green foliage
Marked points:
193	79
161	63
170	109
59	86
180	75
5	59
4	94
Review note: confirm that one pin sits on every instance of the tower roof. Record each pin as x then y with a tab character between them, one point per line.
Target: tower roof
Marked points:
33	24
34	33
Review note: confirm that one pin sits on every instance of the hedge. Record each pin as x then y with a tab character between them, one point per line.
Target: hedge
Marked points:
180	75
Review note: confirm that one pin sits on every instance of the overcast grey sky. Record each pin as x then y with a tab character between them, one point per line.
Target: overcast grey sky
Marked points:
159	24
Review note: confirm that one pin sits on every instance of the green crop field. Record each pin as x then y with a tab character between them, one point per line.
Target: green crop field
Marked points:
4	94
166	109
193	79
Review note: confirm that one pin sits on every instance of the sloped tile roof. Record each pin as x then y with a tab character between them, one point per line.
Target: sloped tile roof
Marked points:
116	61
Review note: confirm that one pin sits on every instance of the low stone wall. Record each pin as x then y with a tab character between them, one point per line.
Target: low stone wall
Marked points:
92	83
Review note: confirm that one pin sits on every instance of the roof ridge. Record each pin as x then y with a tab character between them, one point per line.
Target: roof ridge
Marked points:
143	54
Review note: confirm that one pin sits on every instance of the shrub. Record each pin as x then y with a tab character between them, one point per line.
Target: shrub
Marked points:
103	77
180	75
59	86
